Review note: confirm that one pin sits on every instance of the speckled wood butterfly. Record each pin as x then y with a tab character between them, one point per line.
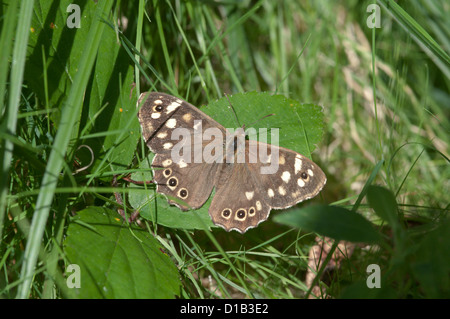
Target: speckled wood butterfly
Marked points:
194	154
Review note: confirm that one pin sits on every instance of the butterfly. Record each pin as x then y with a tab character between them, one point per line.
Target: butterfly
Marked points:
194	154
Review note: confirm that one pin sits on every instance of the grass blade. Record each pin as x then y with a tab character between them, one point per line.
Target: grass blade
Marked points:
55	162
422	38
6	43
17	68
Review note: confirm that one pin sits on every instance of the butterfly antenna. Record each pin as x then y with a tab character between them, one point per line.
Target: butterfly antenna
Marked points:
262	118
234	111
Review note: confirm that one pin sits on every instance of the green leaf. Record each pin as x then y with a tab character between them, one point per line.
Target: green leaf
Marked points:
331	221
116	261
300	125
384	204
300	128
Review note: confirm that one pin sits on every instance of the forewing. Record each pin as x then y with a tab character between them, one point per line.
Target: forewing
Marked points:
173	130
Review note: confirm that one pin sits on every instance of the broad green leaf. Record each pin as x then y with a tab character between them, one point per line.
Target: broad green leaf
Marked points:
300	125
331	221
116	261
300	129
384	204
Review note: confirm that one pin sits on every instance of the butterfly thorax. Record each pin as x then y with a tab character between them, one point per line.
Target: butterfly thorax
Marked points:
235	146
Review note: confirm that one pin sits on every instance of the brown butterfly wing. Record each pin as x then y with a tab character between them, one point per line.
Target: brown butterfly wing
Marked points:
238	203
292	178
186	186
185	183
289	178
160	114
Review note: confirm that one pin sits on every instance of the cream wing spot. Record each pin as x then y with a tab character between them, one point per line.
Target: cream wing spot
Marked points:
156	116
310	173
149	127
300	182
295	194
286	176
171	123
158	102
297	164
172	107
282	160
187	117
249	195
270	192
161	135
182	163
167	162
258	205
282	190
167	146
